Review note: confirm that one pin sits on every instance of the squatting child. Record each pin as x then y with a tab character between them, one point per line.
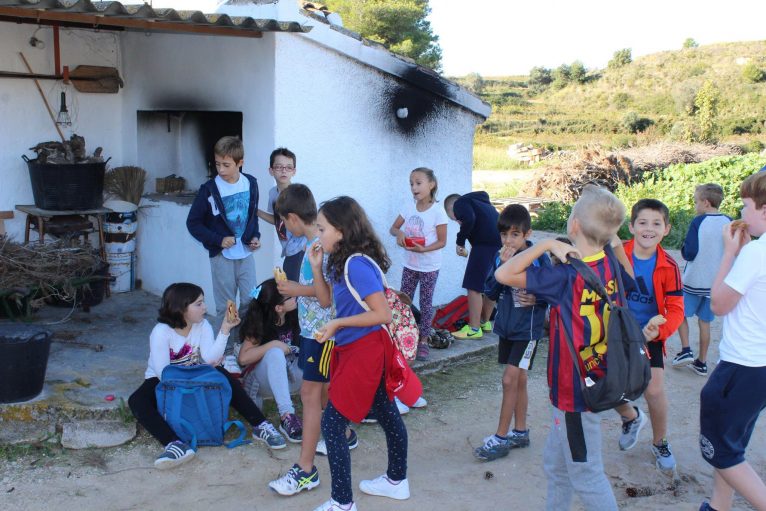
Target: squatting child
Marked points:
520	324
572	454
701	267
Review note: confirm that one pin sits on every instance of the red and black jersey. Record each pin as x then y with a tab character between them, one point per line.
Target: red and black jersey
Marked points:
578	310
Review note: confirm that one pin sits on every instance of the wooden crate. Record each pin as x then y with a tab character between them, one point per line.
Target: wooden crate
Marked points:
170	184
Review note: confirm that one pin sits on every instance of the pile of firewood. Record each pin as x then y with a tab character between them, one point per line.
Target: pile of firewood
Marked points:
71	151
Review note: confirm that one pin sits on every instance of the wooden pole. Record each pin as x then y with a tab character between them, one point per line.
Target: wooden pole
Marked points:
45	100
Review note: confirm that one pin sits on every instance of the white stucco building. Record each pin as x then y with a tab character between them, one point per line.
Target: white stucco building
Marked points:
325	93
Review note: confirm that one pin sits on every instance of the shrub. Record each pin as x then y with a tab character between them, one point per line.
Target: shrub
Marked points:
690	43
754	146
552	217
632	123
539	79
620	100
706	101
577	72
753	73
561	76
621	58
475	83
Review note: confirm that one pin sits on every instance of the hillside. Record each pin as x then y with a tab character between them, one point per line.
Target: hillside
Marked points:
657	91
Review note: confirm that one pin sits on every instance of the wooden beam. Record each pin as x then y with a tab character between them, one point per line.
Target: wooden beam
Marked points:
140	24
4	215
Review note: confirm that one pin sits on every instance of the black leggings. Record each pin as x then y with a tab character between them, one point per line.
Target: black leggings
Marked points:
143	404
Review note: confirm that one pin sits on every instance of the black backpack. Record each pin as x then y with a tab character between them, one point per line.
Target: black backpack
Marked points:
627	362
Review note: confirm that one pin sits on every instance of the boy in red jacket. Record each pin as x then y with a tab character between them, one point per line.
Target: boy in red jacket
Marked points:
658	305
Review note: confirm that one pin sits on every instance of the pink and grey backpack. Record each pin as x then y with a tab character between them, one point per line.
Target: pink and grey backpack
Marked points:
403	329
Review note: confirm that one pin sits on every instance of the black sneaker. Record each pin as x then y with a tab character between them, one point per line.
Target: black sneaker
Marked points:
699	367
292	428
175	454
353	443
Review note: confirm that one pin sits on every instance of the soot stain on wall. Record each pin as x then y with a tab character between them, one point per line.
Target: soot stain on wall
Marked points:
422	94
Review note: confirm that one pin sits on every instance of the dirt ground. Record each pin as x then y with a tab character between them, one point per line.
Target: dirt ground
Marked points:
463	409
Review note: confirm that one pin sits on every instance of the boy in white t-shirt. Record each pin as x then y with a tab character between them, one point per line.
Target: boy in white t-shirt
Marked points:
733	398
224	219
421	230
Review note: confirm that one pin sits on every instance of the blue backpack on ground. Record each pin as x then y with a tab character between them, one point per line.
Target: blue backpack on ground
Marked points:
194	401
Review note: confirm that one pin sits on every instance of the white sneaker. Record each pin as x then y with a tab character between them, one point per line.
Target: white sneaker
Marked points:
403	409
331	505
420	403
383	487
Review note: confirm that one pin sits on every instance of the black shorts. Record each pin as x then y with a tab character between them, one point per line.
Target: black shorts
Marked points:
655	355
730	403
481	261
519	354
315	359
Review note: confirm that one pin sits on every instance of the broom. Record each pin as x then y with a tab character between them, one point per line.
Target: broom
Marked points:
125	183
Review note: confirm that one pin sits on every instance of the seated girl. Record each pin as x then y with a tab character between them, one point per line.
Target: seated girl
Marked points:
269	353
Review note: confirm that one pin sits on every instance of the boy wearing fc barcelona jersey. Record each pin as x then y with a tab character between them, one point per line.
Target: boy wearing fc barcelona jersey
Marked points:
572	454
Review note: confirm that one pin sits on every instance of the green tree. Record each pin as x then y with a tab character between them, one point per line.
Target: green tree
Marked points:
400	25
706	101
539	79
577	72
621	58
474	82
562	75
690	43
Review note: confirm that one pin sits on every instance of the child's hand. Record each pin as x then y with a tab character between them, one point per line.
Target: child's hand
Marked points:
461	251
228	324
563	250
328	331
254	244
734	240
416	248
400	238
506	253
526	299
652	329
281	345
316	254
288	288
228	242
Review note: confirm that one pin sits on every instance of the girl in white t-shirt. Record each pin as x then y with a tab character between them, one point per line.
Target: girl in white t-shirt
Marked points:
421	230
184	337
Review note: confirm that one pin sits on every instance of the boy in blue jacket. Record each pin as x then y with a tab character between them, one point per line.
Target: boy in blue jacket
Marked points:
520	324
224	219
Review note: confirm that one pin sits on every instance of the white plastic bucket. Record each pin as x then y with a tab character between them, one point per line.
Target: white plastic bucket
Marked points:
119	248
122	270
120	225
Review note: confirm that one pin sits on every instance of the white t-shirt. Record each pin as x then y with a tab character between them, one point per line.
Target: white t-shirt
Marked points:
167	347
743	339
236	202
423	224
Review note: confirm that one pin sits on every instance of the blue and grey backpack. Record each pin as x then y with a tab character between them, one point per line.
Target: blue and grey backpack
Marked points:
194	401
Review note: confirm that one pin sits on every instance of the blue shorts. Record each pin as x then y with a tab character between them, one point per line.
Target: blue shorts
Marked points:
697	305
315	359
730	403
481	261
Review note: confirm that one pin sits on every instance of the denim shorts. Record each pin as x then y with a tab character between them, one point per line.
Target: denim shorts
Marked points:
697	305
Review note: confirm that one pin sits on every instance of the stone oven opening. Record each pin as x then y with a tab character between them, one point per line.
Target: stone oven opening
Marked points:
181	142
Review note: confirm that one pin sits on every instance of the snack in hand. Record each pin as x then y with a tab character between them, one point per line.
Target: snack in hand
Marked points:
231	311
317	335
738	225
279	274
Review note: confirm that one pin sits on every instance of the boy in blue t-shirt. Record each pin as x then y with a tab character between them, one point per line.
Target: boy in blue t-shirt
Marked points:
520	325
657	304
223	217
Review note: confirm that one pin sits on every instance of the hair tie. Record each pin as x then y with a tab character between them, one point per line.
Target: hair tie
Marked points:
255	292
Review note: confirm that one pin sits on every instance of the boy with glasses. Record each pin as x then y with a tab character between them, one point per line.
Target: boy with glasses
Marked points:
282	167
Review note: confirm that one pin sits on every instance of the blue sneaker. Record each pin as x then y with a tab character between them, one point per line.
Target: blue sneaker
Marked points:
519	438
265	432
175	454
493	448
665	459
706	507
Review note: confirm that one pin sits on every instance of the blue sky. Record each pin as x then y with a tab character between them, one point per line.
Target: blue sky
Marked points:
502	37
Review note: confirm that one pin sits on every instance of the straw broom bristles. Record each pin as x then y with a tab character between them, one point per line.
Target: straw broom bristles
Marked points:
125	183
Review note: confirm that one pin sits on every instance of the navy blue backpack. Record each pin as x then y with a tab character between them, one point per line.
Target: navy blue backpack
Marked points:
194	401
